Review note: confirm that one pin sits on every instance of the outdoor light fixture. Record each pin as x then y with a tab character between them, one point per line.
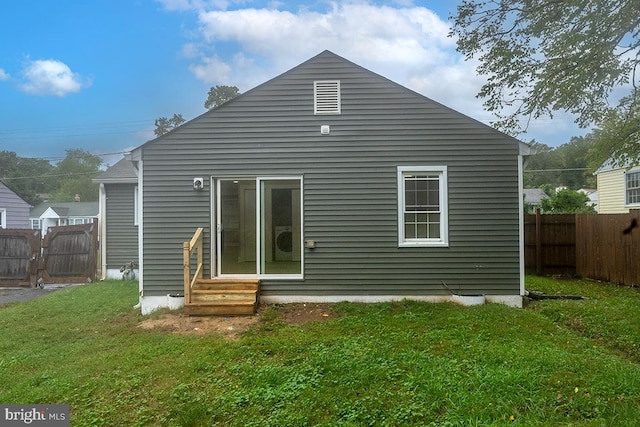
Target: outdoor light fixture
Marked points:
198	184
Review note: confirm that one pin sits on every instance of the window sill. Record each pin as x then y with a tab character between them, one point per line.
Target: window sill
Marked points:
424	244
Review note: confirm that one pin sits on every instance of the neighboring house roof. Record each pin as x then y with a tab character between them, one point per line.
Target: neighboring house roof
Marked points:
123	172
15	211
66	209
6	192
58	211
534	196
609	165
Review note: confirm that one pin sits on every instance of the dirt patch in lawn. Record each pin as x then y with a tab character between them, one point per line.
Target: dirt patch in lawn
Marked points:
232	327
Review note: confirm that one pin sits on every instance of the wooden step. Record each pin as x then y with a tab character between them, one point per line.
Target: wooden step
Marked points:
227	284
223	297
223	291
213	298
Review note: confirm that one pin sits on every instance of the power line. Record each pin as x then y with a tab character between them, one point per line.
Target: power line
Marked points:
557	170
68	175
91	127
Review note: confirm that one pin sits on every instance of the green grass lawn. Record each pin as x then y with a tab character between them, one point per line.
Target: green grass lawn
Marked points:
555	363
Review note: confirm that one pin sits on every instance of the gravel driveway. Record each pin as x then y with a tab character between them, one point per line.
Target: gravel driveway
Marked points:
9	295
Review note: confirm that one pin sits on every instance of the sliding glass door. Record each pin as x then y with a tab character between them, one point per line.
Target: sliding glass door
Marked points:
259	226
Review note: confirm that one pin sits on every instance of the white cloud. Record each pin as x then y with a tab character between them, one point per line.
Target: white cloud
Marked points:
51	77
395	42
186	5
405	43
4	75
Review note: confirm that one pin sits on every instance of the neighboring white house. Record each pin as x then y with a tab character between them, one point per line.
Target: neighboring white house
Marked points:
52	214
592	195
533	197
618	189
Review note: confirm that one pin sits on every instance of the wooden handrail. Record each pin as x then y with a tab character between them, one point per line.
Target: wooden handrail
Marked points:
187	249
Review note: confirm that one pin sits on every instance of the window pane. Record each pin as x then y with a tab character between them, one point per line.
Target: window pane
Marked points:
410	198
422	208
409	231
633	188
434	230
238	221
281	227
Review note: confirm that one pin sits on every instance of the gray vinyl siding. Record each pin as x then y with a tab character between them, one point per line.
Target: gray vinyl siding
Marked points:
350	198
121	233
17	210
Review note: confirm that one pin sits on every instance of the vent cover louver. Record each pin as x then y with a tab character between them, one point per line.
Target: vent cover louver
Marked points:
326	97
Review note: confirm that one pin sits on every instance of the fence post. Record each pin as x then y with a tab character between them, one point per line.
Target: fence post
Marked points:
538	243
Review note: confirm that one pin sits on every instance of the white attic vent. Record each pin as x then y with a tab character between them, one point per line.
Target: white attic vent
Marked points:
326	97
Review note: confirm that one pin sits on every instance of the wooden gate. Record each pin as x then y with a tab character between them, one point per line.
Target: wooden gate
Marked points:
19	254
67	254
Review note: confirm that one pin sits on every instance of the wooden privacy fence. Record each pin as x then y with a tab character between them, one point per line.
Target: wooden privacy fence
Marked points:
19	253
550	244
605	251
67	254
590	246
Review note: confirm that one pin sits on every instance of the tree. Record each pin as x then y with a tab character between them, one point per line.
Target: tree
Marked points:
74	175
164	125
618	135
566	202
574	158
27	177
542	56
218	95
567	165
545	159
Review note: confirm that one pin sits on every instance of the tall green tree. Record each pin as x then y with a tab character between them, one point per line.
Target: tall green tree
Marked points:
617	136
566	202
566	165
218	95
74	175
27	177
543	56
575	160
542	168
164	124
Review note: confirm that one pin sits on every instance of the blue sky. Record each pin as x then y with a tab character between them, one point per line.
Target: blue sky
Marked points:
96	74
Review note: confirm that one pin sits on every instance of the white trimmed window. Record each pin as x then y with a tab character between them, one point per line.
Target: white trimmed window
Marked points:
632	188
326	97
3	218
422	206
35	224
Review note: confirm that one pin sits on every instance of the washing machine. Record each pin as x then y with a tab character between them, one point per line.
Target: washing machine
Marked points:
283	243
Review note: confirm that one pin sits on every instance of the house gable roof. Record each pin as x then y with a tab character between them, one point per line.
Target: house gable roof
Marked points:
6	192
610	165
534	196
65	209
326	60
123	172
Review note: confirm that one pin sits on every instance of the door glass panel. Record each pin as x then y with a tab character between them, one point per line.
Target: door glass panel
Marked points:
280	251
237	227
